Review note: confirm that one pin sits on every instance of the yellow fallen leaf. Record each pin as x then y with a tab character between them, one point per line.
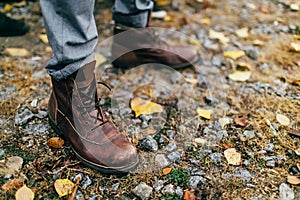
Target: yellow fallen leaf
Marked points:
44	38
258	42
240	75
7	7
297	151
283	120
194	42
204	113
295	180
218	35
235	54
167	18
24	193
297	37
145	90
63	187
55	142
141	106
200	141
191	80
19	52
232	156
205	21
242	33
296	45
296	82
242	66
295	7
167	170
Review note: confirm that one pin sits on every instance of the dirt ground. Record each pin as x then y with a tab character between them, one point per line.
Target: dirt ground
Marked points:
258	116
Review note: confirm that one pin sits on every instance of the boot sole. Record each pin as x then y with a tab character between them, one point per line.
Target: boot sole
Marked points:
101	168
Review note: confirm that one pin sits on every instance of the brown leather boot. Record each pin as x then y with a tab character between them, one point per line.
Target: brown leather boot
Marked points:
75	113
141	46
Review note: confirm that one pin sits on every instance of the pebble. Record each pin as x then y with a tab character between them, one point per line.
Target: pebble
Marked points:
94	197
179	191
86	182
170	134
171	147
80	175
115	186
2	152
243	174
269	148
24	117
79	195
34	103
294	171
168	189
158	185
195	180
148	144
285	192
209	100
252	53
41	114
217	61
36	129
174	157
161	160
216	157
248	134
142	190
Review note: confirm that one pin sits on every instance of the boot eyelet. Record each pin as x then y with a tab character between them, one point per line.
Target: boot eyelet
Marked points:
86	123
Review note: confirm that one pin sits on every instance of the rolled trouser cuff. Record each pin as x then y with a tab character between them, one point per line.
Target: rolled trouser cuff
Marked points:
136	20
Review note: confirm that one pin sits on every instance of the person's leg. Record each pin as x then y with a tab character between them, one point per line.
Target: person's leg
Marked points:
72	34
132	13
74	110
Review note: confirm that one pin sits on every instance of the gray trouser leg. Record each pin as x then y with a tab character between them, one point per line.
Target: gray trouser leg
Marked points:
72	34
133	13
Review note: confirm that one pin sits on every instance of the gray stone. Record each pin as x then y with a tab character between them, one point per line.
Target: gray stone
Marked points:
158	185
79	195
179	191
269	148
86	182
1	122
222	134
168	189
271	163
209	100
94	197
41	114
171	134
174	157
36	129
148	144
249	134
146	118
285	192
216	157
250	185
24	117
195	180
115	186
252	53
161	160
171	147
246	162
74	178
2	152
243	174
142	190
144	125
216	61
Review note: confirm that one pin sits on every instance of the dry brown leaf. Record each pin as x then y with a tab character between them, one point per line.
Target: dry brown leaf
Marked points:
295	180
189	195
63	187
204	113
12	184
18	52
240	121
242	33
283	120
242	66
232	156
141	106
24	193
167	170
235	54
55	142
296	82
240	76
218	35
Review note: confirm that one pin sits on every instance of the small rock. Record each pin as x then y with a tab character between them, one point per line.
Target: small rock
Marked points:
13	164
94	197
115	186
269	148
80	175
24	117
86	182
146	118
171	147
142	190
2	152
216	61
246	162
252	53
209	100
171	134
285	192
247	135
250	185
294	171
34	103
161	160
174	157
168	189
148	144
158	185
243	174
144	125
79	195
41	114
216	157
179	191
194	180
